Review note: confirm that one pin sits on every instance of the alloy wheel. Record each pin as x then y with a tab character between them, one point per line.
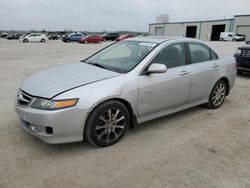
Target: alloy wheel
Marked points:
219	94
110	125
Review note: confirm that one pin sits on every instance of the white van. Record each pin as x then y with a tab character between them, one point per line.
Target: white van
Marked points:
229	36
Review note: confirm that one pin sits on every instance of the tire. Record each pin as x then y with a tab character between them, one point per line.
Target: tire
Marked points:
107	124
234	40
67	40
217	95
85	42
43	40
25	40
221	39
239	72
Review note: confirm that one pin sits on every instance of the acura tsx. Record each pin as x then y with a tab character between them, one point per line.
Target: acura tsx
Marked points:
126	83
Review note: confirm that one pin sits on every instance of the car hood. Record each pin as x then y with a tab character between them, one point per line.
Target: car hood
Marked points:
245	47
53	81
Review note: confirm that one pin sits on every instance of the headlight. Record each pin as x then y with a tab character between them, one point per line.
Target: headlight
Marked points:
44	104
238	51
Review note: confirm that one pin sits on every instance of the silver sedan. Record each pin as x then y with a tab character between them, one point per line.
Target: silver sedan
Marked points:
129	82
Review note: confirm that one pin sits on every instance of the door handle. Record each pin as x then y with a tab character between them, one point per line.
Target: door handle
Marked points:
183	73
215	65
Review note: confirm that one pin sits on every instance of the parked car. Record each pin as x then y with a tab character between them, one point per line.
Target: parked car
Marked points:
129	82
13	36
91	39
4	35
53	36
243	59
33	37
122	37
111	36
74	37
229	36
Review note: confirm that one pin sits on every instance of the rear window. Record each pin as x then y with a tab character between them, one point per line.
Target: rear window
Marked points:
201	53
213	55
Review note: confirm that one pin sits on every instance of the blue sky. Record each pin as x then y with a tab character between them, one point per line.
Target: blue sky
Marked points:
111	15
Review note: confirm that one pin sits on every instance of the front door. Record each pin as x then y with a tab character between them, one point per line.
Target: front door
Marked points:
160	92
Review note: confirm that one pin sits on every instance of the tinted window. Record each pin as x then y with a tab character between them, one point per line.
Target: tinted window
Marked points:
213	55
171	56
199	53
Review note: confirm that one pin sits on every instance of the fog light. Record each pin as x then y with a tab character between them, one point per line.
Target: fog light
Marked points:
49	130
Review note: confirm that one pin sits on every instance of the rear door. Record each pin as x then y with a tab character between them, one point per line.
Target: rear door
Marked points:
160	92
205	65
38	37
32	37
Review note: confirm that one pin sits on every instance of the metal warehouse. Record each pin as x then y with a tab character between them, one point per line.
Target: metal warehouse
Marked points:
204	30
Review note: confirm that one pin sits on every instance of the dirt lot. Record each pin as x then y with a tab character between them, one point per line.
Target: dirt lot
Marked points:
194	148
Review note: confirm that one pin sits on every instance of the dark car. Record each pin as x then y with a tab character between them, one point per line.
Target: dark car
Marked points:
74	37
243	59
53	36
111	36
13	36
91	39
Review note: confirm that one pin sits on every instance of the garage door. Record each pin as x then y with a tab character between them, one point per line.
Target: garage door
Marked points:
245	30
159	31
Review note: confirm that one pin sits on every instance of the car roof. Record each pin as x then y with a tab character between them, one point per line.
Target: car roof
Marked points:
158	39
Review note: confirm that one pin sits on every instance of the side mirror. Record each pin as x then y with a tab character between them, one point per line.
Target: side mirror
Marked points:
157	68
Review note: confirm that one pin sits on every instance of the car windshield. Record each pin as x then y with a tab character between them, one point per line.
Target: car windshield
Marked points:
123	56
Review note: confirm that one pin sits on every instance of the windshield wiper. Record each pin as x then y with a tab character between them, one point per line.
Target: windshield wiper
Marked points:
97	65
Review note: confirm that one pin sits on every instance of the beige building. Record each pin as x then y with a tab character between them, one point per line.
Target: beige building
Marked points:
204	30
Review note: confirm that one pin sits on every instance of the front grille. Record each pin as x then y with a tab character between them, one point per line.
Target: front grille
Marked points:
23	98
245	53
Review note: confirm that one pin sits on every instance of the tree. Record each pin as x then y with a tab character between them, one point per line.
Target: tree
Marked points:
163	18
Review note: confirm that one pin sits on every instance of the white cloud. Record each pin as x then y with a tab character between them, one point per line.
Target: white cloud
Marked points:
110	15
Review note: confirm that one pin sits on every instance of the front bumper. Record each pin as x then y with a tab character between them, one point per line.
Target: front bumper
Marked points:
65	125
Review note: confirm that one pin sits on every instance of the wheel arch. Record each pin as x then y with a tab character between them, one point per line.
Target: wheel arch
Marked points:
133	119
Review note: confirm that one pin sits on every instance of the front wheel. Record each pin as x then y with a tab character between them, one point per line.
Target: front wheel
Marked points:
25	40
234	40
217	95
107	124
42	40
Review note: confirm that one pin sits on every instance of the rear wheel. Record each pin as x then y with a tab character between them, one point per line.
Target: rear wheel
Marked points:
107	123
217	95
42	40
86	42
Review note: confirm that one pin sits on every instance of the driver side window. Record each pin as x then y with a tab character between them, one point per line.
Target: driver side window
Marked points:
171	56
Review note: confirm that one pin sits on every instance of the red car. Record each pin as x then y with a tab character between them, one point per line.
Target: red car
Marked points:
91	39
126	36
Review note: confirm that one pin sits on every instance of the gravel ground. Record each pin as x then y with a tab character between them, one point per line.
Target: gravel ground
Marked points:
193	148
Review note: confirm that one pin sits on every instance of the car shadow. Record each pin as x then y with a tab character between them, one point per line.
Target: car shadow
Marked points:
244	75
